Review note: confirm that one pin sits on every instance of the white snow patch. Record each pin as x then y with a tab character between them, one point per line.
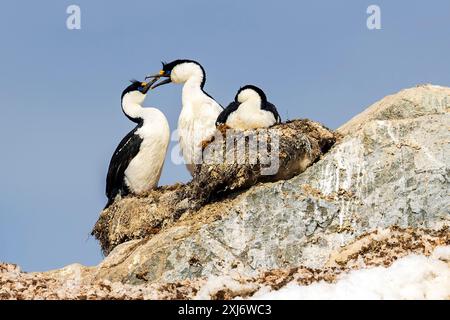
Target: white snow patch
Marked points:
217	283
411	277
442	253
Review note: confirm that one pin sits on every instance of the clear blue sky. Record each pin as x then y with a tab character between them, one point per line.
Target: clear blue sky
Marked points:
60	90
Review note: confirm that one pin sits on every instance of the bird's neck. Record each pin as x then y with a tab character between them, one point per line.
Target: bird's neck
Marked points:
196	79
133	110
193	89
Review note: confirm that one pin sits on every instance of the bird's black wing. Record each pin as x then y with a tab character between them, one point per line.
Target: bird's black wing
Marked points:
271	108
127	149
223	116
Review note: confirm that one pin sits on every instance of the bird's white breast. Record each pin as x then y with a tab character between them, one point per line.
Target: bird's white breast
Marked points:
144	170
250	116
197	123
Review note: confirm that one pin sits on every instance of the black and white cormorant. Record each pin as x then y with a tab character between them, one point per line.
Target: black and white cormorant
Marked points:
249	110
196	123
136	164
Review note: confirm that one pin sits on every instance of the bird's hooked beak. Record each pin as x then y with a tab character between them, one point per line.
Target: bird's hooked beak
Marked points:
156	77
147	86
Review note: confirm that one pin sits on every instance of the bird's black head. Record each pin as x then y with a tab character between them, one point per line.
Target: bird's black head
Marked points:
138	86
248	90
168	67
187	67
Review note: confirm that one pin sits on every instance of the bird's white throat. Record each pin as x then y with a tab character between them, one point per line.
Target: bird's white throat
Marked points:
185	72
132	105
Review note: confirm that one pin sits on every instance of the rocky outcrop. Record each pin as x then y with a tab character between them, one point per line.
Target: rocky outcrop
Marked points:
380	193
390	168
279	153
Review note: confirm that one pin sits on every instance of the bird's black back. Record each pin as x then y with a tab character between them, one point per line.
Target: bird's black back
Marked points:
271	108
223	116
127	149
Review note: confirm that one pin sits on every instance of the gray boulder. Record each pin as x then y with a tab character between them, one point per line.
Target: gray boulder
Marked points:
391	167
